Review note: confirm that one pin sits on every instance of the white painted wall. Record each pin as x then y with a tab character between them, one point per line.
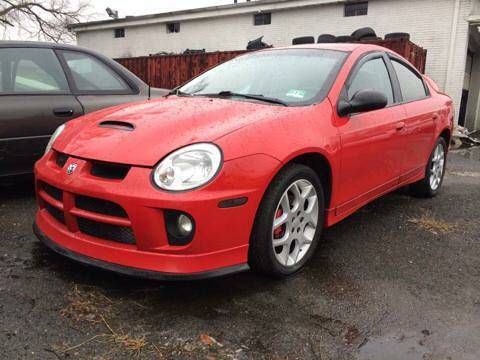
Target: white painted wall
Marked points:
430	23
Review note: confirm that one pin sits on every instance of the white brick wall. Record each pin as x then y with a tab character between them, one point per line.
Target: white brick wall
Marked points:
428	21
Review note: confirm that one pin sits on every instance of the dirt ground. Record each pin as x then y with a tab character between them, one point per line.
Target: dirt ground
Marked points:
397	280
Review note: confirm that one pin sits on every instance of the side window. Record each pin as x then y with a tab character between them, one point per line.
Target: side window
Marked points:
411	85
90	74
31	71
372	75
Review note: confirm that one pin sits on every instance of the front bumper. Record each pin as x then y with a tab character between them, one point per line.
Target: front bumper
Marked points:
135	272
220	242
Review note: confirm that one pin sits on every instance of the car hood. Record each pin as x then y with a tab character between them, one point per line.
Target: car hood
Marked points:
159	127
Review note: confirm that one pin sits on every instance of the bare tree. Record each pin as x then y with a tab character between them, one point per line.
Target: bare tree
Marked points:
42	19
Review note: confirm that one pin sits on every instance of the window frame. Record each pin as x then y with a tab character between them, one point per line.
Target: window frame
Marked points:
355	3
38	93
263	14
175	25
119	31
393	57
372	55
359	66
130	90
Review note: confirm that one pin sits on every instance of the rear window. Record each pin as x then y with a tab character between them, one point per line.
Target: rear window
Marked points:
25	71
411	84
92	75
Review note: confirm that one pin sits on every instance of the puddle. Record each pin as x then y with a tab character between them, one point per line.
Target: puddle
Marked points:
393	347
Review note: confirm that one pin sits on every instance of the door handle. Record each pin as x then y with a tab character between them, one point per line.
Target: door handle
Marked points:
63	112
435	117
400	126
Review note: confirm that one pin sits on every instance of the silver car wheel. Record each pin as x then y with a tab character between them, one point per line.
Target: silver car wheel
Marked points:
295	223
437	167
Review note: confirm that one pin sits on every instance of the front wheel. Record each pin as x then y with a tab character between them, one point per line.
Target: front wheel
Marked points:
434	173
288	223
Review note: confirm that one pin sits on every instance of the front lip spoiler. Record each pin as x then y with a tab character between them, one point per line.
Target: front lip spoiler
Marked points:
136	272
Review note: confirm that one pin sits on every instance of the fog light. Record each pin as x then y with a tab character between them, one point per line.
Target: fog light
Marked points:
185	225
180	227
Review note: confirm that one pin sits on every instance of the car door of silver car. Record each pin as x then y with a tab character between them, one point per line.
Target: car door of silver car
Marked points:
35	98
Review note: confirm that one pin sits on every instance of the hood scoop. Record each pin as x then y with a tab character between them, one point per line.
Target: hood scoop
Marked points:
116	124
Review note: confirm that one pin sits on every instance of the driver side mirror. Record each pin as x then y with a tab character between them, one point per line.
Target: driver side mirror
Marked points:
362	101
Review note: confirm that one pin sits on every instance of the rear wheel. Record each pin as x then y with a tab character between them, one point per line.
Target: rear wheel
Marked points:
434	173
288	223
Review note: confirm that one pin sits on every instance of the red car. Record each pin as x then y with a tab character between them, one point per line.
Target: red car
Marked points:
243	166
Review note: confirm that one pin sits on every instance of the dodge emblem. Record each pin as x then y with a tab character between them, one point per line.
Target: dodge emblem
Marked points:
71	168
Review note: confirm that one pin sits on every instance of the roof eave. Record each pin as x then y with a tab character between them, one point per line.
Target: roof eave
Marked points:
199	13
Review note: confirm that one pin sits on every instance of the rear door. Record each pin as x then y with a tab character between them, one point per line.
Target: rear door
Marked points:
371	146
35	99
421	114
96	84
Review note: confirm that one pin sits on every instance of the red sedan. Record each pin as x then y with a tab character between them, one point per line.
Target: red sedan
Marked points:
243	166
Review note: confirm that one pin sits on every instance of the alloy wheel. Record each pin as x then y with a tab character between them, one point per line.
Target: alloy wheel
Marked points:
437	167
295	223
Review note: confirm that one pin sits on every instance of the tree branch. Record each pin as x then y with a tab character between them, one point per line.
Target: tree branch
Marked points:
47	19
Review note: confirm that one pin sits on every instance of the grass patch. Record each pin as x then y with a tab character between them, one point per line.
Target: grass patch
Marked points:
433	225
86	305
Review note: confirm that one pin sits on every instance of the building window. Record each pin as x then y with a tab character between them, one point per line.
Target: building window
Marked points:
356	8
173	27
119	33
262	19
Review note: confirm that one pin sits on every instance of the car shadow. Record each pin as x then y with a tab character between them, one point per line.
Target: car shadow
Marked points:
17	187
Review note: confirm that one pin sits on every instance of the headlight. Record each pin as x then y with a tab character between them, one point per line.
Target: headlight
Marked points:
54	136
188	167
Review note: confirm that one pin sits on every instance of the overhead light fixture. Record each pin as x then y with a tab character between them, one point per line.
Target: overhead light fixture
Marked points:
112	13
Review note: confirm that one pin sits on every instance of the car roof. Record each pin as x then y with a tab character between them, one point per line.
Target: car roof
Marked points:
38	44
347	47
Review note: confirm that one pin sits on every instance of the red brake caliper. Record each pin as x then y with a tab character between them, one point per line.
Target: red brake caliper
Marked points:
279	231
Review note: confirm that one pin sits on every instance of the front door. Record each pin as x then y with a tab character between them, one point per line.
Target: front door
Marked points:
371	148
34	100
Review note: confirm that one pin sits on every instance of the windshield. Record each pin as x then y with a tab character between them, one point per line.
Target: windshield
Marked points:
293	76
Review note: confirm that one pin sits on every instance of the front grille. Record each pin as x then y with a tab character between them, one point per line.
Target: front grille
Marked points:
109	170
103	230
122	234
56	213
61	159
53	191
99	206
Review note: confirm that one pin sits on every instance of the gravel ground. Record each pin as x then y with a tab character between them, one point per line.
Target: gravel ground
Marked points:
397	280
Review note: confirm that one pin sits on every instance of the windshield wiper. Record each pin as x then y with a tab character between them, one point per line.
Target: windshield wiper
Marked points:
259	97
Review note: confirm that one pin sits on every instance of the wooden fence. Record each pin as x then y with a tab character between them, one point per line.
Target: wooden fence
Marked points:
168	71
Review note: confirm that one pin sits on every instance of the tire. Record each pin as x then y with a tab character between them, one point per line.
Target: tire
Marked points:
291	256
345	39
398	35
363	33
326	39
425	188
303	40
